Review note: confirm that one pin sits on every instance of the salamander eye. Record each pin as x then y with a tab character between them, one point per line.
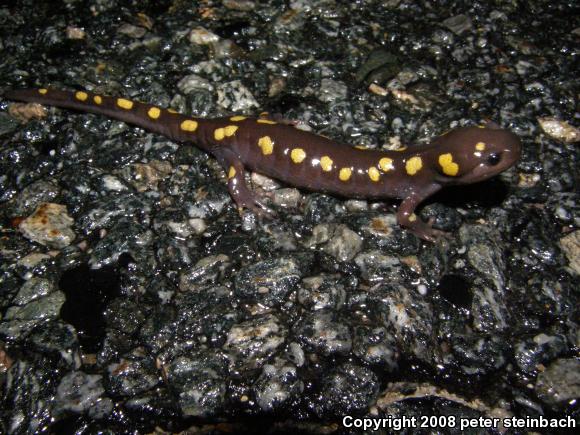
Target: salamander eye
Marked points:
493	159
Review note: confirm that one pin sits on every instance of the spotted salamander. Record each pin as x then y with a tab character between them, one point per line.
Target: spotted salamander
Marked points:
313	162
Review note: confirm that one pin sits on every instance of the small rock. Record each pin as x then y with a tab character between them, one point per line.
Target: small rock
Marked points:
571	246
560	382
559	130
49	225
458	24
338	240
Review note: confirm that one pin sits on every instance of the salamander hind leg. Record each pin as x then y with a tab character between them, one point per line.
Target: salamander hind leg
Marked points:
243	196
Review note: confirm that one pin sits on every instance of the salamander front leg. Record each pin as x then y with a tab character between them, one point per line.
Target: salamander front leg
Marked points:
241	193
407	218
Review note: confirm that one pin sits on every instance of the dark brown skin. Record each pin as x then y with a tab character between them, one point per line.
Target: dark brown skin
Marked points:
306	160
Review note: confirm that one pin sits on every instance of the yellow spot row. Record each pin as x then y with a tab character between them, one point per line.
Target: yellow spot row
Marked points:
189	125
83	96
220	133
298	155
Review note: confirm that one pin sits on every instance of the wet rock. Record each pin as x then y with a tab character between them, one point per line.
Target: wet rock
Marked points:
235	97
489	309
42	308
251	343
131	30
347	390
322	332
408	317
458	24
571	247
479	354
208	270
58	339
560	382
201	36
33	196
199	383
49	225
28	394
240	5
320	292
336	240
277	384
194	83
376	267
559	130
78	392
332	90
147	176
268	281
132	376
33	289
287	198
375	346
531	353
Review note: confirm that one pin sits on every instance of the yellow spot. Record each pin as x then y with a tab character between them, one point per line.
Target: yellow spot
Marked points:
172	110
403	148
344	174
232	172
81	96
386	164
480	146
361	147
237	118
154	112
297	155
448	165
266	144
230	130
42	91
97	99
326	163
219	134
374	173
412	217
265	121
413	165
189	125
124	104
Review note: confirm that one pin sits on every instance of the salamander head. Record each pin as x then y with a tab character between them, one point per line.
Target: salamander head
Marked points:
472	154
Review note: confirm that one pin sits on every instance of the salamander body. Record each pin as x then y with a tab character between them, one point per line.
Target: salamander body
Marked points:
309	161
